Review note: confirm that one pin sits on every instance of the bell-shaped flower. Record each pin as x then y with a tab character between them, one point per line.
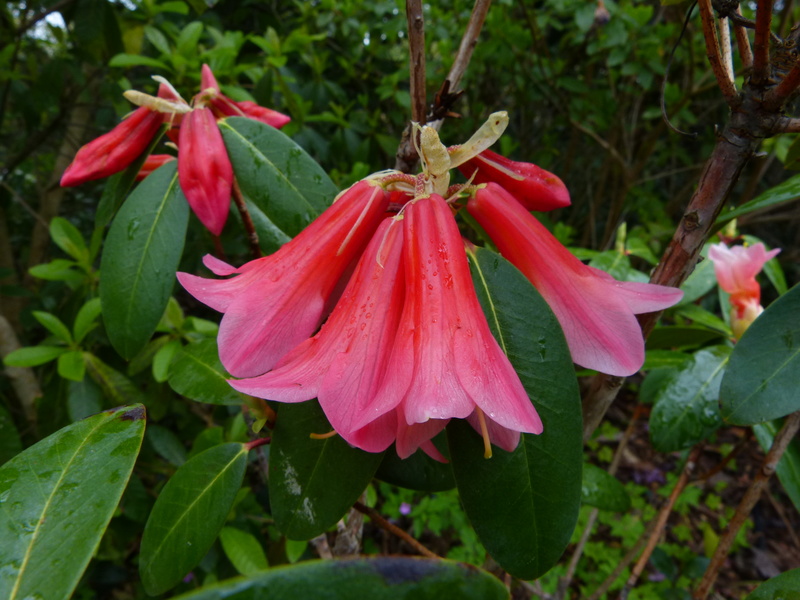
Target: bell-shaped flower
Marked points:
344	363
736	269
225	107
204	169
445	363
595	310
276	302
532	186
114	151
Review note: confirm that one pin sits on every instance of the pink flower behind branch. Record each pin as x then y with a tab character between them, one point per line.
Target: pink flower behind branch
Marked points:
276	302
595	310
736	269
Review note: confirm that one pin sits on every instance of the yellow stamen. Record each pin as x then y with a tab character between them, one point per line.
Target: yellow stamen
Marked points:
487	445
322	436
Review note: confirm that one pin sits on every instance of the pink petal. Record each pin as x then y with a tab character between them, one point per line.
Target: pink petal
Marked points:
412	437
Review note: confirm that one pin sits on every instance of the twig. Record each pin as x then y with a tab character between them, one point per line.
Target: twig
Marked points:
416	47
737	449
623	564
779	445
247	221
743	42
661	520
787	125
782	514
725	45
394	529
713	52
775	97
761	43
468	42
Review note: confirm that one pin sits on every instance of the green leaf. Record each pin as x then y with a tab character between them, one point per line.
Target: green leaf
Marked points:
701	316
782	193
136	60
84	399
788	468
166	444
57	498
387	578
189	36
701	281
312	483
525	531
86	320
59	269
116	387
72	366
197	373
142	252
163	359
54	325
243	550
761	383
686	408
276	174
681	336
602	490
783	587
10	444
417	472
188	515
67	237
33	356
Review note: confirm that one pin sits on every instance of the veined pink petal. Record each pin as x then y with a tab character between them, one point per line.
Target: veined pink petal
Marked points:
445	361
595	311
276	302
204	170
411	437
532	186
736	269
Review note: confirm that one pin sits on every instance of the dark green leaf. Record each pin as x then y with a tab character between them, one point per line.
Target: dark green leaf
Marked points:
197	373
761	383
86	319
417	472
655	359
686	408
602	490
84	399
67	237
54	325
243	550
386	578
788	468
782	193
33	356
701	316
785	586
701	281
188	515
116	387
142	251
136	60
72	366
312	483
10	444
276	174
166	444
57	498
525	531
677	336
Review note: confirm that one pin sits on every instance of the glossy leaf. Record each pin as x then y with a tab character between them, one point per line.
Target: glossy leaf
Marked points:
197	373
417	472
602	490
67	237
788	469
686	408
525	531
277	175
63	490
393	578
141	255
243	550
681	336
761	383
33	356
86	320
116	387
783	587
788	191
10	444
188	515
312	483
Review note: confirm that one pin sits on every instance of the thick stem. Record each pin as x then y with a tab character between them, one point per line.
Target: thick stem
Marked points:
761	44
775	97
247	221
779	445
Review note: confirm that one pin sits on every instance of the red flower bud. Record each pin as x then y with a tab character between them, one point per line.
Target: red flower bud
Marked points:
532	186
153	162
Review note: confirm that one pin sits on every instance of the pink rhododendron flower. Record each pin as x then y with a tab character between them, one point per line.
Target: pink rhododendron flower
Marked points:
736	269
595	310
344	363
276	302
532	186
204	169
445	363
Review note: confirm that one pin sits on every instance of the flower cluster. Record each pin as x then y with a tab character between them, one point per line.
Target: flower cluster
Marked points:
204	170
736	269
403	345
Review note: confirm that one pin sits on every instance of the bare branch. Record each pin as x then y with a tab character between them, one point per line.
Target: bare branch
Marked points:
775	97
779	445
468	42
725	45
713	52
416	46
743	42
761	45
394	529
787	125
